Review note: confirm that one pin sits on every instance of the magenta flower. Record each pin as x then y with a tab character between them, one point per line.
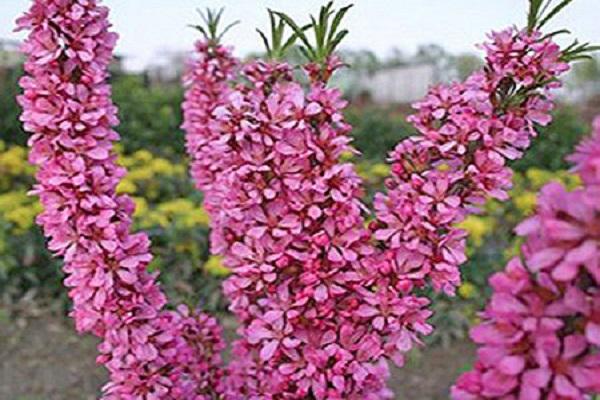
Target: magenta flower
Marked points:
459	159
540	333
321	300
150	353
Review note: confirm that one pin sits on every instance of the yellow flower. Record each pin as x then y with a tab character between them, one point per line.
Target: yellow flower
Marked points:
19	210
142	156
13	161
141	207
346	156
380	170
180	212
363	170
202	217
526	202
126	186
571	181
467	290
162	166
141	174
538	177
214	266
477	227
22	217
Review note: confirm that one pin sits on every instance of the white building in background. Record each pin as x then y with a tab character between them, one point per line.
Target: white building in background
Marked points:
10	56
402	84
390	85
168	67
579	93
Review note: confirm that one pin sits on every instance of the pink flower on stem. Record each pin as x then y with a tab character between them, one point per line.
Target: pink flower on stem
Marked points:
290	215
540	334
150	353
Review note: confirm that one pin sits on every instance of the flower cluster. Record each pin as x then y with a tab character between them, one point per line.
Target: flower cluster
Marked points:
323	299
540	335
207	81
291	230
150	352
467	133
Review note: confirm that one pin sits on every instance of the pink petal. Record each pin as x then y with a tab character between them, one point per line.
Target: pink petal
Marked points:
592	333
334	255
367	311
564	387
268	350
511	365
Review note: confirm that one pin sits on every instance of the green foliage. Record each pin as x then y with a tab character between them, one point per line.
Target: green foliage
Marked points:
150	116
11	129
554	142
376	131
276	48
210	29
327	35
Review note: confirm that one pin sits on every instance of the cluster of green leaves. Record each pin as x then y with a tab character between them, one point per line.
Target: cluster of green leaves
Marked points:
150	116
543	11
540	12
277	47
327	33
210	29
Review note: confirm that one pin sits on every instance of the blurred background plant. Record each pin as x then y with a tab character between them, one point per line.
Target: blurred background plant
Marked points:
170	210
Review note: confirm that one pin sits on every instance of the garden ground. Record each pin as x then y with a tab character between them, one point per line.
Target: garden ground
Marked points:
41	358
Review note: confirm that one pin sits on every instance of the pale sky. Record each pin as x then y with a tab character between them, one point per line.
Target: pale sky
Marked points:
151	28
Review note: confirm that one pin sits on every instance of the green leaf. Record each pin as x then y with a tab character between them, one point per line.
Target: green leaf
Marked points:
212	19
292	39
336	41
324	22
554	12
305	53
297	30
325	31
199	28
337	20
556	33
227	28
265	40
216	20
532	17
318	34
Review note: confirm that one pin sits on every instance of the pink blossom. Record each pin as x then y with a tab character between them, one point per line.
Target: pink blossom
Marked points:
321	299
150	353
459	158
540	334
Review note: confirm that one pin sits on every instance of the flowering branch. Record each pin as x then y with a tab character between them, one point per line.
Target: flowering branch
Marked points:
320	303
468	132
540	333
150	353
